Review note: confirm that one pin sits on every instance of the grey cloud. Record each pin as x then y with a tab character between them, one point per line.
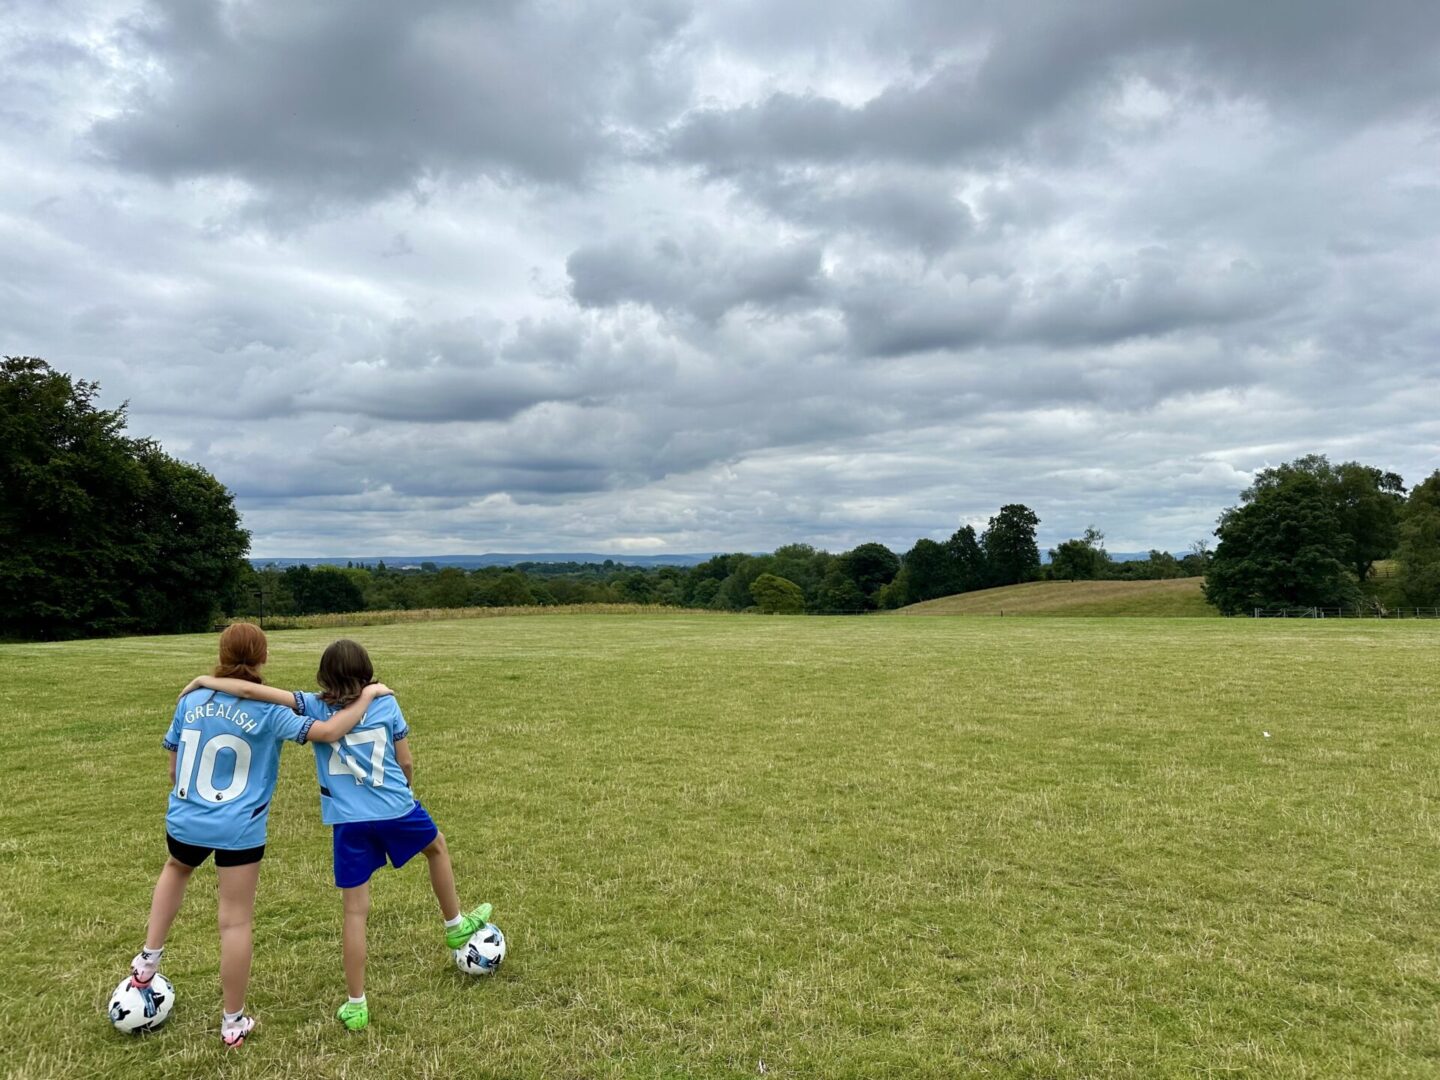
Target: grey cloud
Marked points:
1046	60
895	320
730	275
1154	295
703	275
336	103
922	211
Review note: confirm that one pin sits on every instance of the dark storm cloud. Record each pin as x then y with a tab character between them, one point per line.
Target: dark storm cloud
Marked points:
650	274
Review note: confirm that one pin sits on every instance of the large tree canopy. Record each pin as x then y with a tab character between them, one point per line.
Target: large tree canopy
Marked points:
776	595
968	558
1011	552
870	567
101	533
1366	501
1285	547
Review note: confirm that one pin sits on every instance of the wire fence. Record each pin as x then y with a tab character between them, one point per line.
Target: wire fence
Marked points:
1373	611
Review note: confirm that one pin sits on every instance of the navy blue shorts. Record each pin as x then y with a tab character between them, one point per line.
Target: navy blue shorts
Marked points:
361	847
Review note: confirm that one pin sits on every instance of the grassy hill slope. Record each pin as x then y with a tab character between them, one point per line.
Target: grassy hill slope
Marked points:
1180	596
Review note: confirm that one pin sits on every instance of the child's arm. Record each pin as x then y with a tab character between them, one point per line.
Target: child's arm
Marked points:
242	688
326	731
405	761
334	729
172	768
271	695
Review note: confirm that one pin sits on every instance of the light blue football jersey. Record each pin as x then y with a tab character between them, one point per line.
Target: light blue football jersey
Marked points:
360	780
228	759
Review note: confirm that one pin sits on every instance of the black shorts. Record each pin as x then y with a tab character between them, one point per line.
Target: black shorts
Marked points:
191	855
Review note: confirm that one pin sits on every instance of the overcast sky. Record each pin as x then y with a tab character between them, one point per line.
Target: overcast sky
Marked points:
658	275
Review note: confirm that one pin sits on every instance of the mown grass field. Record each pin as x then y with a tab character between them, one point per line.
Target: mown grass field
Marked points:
1178	597
870	847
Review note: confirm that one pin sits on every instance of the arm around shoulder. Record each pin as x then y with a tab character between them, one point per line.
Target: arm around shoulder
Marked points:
339	725
242	688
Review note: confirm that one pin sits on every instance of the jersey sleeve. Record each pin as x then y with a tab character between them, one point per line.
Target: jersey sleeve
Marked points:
171	741
398	728
286	725
311	705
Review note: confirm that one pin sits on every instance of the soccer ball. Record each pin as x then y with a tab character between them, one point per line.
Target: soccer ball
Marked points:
133	1010
483	953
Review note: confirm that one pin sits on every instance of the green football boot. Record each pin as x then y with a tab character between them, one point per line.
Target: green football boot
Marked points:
354	1015
458	935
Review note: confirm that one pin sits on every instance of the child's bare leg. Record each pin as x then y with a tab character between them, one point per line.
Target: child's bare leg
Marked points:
165	904
237	913
442	877
357	912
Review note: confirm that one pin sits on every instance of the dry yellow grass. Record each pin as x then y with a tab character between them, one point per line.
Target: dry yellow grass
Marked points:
1177	597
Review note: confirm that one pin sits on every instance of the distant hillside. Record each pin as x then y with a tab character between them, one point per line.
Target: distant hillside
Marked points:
471	562
1178	596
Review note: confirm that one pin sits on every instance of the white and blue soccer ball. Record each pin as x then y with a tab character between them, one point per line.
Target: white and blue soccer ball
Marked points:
483	953
134	1010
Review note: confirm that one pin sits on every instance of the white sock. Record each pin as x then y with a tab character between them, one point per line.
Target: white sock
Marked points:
358	1001
234	1018
456	921
152	955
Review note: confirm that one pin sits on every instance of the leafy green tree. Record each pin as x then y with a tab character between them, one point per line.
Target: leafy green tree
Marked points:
733	593
510	589
1371	502
967	556
702	595
777	595
263	592
1418	558
323	590
1281	549
870	566
838	594
1196	560
802	564
1163	566
666	584
1083	559
896	594
636	587
1011	553
1367	502
929	571
450	587
716	569
193	545
101	533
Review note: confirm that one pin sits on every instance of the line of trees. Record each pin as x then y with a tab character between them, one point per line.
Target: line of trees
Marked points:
1084	558
102	533
792	579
